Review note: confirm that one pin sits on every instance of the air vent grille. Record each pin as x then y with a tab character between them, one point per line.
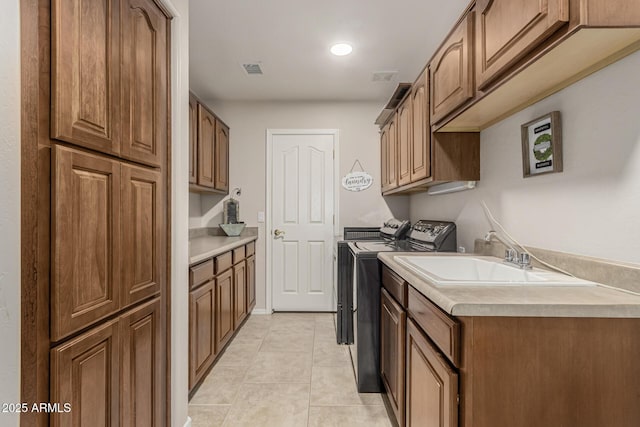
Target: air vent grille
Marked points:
384	76
252	69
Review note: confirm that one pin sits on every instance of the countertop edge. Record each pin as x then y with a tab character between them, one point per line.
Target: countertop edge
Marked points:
242	240
506	309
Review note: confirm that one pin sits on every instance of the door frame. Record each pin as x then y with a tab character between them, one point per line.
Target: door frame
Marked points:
268	193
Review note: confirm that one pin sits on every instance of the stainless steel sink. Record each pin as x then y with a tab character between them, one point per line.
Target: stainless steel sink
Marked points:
443	270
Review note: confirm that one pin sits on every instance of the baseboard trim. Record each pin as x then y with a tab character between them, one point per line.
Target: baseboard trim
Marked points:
188	423
259	311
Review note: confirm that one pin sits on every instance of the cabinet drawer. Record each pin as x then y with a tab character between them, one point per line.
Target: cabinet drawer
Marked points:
395	285
443	330
223	262
238	254
250	249
201	273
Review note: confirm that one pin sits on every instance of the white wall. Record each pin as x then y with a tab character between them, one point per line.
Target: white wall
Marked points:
179	210
599	190
10	207
359	139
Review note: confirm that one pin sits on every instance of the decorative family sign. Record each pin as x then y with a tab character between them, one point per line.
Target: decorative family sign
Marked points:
542	145
358	180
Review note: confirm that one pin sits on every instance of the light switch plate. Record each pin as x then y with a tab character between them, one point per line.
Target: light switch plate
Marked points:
260	216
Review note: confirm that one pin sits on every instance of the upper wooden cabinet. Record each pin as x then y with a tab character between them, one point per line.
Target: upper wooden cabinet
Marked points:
405	141
506	30
451	70
389	156
144	81
109	77
85	73
221	181
384	157
193	140
206	147
420	147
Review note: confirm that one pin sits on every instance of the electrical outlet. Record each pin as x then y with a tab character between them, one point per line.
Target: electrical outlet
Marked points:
260	216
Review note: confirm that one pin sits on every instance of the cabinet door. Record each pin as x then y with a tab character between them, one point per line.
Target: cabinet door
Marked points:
251	283
393	324
206	147
405	135
144	81
85	373
506	30
452	71
202	339
193	140
392	156
142	367
384	158
432	385
240	293
222	157
421	135
143	257
85	73
85	219
224	308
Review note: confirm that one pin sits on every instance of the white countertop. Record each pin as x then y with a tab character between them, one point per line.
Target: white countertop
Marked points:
202	248
523	301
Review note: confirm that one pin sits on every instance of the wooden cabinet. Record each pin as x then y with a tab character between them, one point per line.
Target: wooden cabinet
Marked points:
239	293
451	70
224	308
251	283
113	374
432	385
405	141
202	328
142	367
420	148
384	158
206	147
221	181
193	140
143	257
506	30
393	323
389	150
86	252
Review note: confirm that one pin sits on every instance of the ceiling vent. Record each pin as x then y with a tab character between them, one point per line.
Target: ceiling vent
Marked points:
384	76
253	69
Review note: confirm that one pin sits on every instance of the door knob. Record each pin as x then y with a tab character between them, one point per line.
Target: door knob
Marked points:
278	233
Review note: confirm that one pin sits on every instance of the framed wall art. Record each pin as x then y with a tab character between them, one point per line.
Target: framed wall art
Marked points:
542	145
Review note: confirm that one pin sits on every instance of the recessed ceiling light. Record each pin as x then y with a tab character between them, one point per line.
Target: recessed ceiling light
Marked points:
341	49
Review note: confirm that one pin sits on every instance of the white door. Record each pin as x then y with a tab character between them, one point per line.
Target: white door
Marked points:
302	220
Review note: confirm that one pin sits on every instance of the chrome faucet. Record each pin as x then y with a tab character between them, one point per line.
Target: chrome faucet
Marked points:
511	255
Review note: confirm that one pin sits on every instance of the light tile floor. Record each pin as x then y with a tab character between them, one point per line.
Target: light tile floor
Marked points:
285	369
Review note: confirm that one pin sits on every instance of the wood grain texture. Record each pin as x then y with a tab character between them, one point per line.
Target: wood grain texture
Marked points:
85	372
206	147
202	330
239	293
612	13
251	283
224	308
393	324
506	30
392	155
221	157
384	158
451	70
86	274
193	139
432	385
239	254
142	367
405	141
442	329
223	262
421	129
144	82
250	248
85	73
395	285
201	273
456	156
526	372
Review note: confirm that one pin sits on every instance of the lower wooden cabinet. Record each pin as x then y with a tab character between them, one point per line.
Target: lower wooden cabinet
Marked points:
251	283
240	293
112	374
432	385
224	308
393	324
202	337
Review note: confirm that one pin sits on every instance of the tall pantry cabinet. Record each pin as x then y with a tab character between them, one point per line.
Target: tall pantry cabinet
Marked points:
109	174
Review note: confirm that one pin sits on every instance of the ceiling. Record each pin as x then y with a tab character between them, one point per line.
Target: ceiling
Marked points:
291	40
